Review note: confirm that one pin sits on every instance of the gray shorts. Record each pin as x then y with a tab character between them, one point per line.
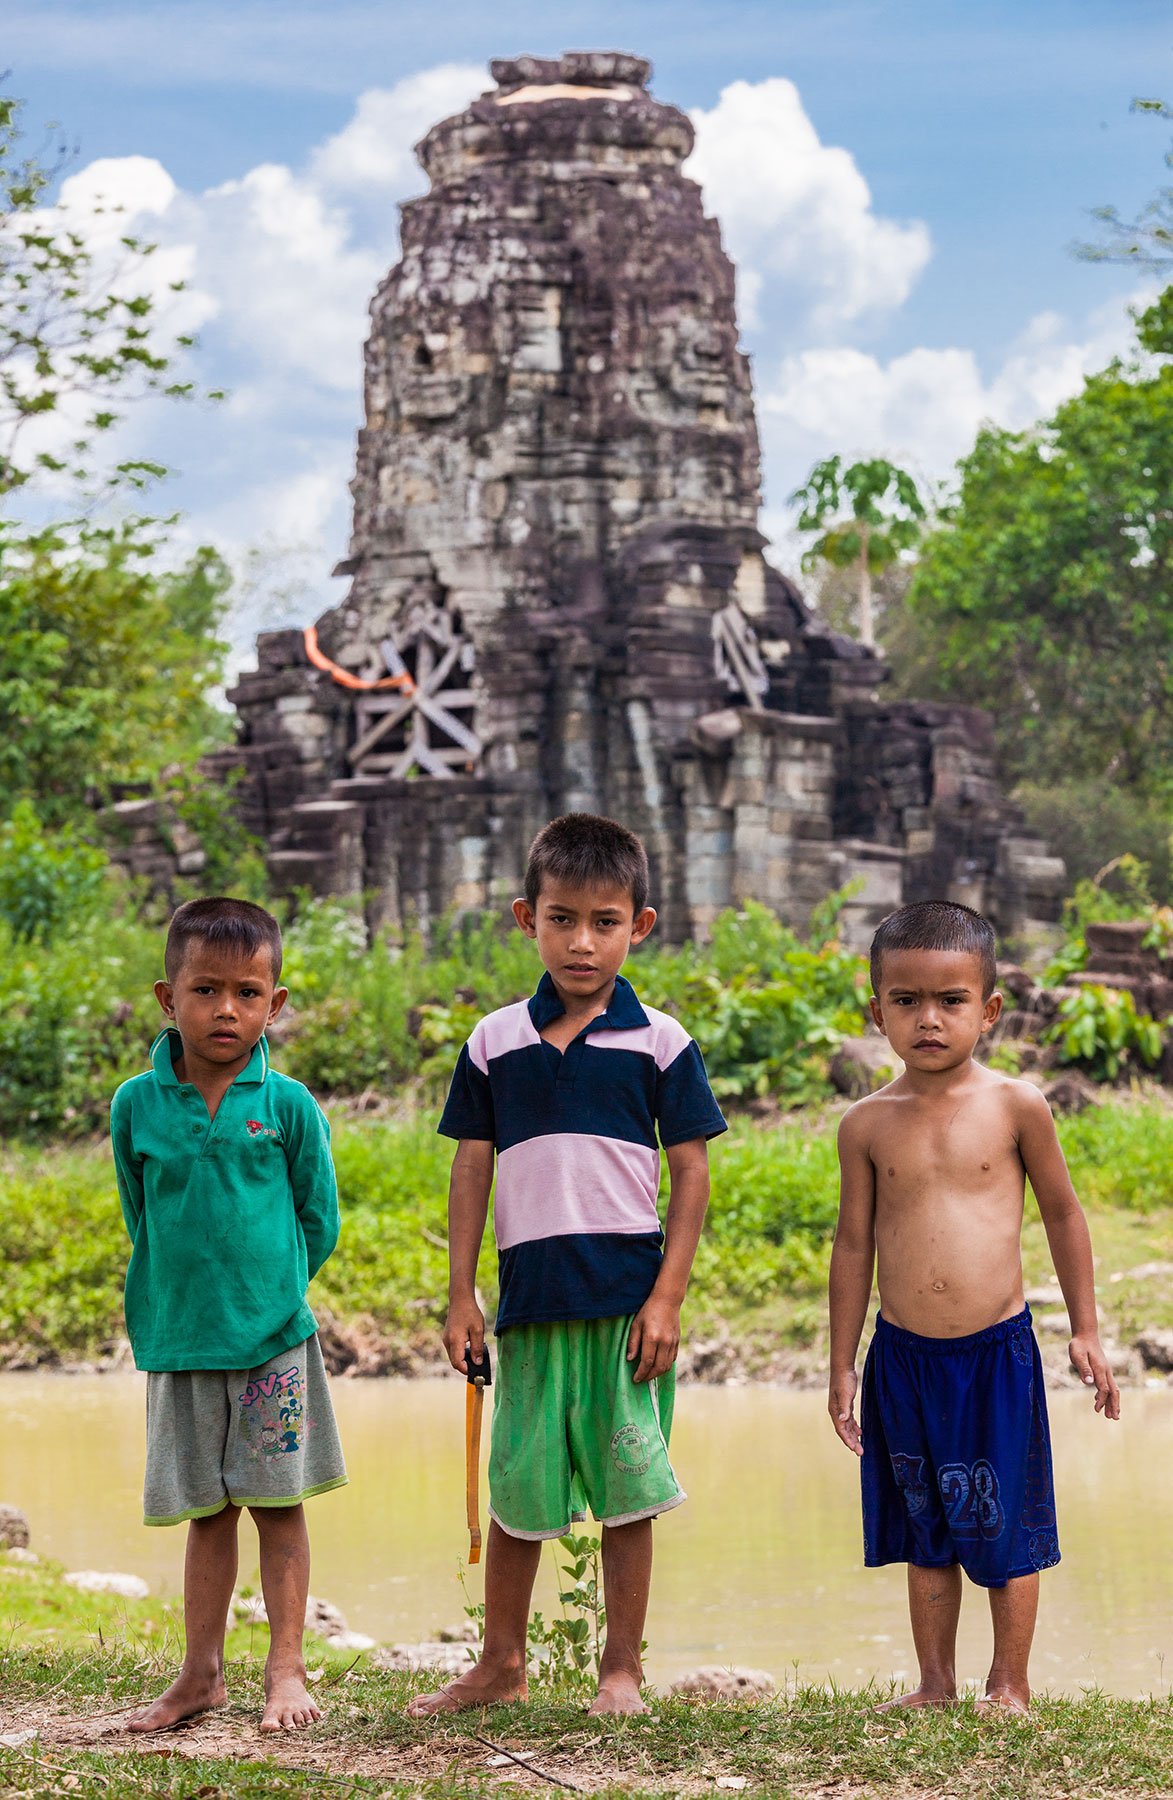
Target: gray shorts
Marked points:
255	1437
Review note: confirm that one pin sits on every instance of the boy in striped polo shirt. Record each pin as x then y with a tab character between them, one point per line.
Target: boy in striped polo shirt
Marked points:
568	1091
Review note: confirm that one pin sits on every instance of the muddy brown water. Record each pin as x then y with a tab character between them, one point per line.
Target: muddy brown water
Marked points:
762	1567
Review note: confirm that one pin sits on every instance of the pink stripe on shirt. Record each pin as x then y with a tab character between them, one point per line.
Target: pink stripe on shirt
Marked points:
662	1038
551	1186
500	1032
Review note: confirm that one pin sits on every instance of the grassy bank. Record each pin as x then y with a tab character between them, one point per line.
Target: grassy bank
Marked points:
74	1666
757	1296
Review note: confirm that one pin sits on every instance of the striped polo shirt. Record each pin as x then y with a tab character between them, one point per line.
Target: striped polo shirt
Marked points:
575	1131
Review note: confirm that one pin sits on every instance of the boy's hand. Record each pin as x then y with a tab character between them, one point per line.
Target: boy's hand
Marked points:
464	1330
654	1338
1091	1365
841	1406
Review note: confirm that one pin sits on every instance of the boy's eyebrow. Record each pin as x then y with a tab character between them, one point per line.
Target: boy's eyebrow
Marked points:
958	988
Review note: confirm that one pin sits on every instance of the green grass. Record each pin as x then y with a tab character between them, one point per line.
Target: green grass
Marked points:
806	1741
761	1266
71	1661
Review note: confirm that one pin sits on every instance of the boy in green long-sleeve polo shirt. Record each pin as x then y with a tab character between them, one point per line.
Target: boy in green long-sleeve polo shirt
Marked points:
228	1192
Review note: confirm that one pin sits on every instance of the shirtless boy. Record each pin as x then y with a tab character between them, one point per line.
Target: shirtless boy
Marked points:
953	1435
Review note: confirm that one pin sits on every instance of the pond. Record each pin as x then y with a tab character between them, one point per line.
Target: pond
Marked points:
762	1567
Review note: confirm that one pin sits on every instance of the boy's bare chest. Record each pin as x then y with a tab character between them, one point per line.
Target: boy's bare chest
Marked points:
926	1150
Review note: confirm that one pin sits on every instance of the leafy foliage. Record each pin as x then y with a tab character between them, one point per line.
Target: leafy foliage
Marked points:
1100	1029
46	882
1090	823
767	1008
106	663
77	337
64	1247
1044	595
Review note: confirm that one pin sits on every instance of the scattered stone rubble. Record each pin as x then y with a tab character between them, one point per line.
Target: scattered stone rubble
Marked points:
559	596
14	1529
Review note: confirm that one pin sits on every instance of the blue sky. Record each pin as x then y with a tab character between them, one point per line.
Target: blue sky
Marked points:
899	183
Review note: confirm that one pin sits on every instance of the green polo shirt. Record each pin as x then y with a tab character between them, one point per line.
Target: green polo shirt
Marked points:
229	1217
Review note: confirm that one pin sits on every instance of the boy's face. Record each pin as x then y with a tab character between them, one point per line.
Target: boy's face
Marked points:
221	1004
583	934
930	1007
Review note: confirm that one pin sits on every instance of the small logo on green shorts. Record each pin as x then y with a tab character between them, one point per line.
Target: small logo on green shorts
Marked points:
629	1450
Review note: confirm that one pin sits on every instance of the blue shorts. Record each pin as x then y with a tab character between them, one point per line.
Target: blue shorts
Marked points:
957	1453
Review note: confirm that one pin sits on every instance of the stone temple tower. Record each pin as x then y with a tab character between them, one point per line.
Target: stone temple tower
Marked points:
558	594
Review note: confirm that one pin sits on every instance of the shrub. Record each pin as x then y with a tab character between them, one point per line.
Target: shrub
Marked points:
1100	1030
47	880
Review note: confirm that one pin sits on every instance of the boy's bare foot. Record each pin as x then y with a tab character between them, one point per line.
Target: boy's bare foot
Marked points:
921	1696
1003	1700
188	1695
484	1685
288	1706
618	1695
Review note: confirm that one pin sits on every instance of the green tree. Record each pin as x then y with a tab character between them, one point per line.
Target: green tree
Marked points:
1045	595
106	664
106	659
866	516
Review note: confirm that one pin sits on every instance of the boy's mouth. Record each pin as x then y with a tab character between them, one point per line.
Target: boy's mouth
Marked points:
928	1044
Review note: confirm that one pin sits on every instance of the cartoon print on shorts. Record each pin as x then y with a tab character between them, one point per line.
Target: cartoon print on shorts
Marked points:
910	1479
972	1506
629	1450
277	1425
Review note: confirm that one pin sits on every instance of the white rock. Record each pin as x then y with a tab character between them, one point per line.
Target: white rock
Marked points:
732	1683
349	1640
96	1581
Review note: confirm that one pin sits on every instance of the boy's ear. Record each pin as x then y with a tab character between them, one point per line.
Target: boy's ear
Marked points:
877	1013
165	995
992	1010
642	924
523	912
280	996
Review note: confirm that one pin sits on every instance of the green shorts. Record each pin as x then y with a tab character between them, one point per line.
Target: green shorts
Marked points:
255	1437
571	1427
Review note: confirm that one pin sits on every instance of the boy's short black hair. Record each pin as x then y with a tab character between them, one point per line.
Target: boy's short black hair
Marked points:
937	925
236	928
584	850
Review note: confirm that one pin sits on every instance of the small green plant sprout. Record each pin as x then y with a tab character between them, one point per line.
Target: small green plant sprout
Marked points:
865	517
582	1634
1100	1029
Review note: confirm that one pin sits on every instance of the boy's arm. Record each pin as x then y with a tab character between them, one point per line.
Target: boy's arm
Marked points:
311	1176
853	1258
1069	1240
128	1168
655	1331
468	1208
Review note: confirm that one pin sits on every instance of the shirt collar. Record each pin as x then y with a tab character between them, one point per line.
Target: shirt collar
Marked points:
165	1050
623	1014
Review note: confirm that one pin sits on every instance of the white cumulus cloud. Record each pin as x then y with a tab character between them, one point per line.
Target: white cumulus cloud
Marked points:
797	213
